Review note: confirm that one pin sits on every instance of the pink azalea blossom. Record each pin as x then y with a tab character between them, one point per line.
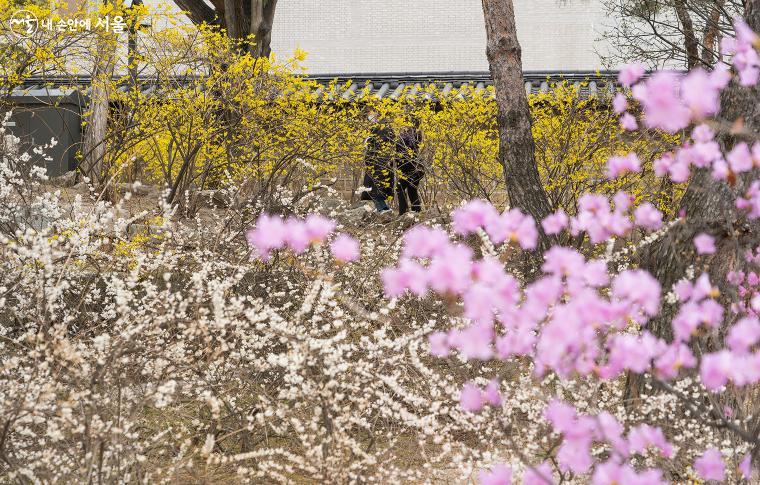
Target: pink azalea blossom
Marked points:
745	467
439	344
679	172
703	154
628	122
539	475
661	166
513	225
473	215
710	465
478	302
611	431
683	289
345	248
700	94
520	341
702	133
623	201
561	415
746	59
409	275
630	352
595	273
575	456
562	261
596	218
687	321
660	100
675	357
451	271
491	393
720	76
743	334
740	158
630	73
268	234
474	342
643	436
648	217
638	287
296	237
711	313
499	475
318	227
620	103
751	200
735	277
554	223
704	243
619	165
720	170
702	287
424	242
715	369
471	399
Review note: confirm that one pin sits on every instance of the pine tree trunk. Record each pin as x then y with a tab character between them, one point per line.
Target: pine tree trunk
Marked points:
516	145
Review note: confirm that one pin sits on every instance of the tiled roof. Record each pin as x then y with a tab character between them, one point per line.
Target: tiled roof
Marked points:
397	86
355	86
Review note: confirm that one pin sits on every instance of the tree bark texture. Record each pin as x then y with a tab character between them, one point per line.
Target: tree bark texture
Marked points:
94	143
235	20
690	38
516	145
710	46
709	206
239	18
198	11
262	17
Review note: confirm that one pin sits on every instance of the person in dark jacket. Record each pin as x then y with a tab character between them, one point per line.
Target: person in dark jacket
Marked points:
378	163
410	169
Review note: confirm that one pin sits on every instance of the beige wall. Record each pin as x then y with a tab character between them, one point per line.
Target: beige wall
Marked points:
433	35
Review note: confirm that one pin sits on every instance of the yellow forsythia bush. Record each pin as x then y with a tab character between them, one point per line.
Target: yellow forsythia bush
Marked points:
218	117
574	137
245	120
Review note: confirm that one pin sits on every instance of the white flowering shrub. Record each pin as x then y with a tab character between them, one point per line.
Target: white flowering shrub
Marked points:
161	352
169	355
161	348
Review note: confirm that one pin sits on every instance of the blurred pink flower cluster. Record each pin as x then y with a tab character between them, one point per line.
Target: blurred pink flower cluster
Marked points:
599	221
272	232
743	48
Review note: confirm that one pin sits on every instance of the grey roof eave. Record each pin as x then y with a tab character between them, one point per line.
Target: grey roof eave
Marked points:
349	86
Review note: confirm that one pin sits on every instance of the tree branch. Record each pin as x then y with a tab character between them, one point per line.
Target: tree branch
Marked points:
198	12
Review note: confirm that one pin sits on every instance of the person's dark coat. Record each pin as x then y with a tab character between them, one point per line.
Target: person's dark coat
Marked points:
378	161
407	155
410	169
